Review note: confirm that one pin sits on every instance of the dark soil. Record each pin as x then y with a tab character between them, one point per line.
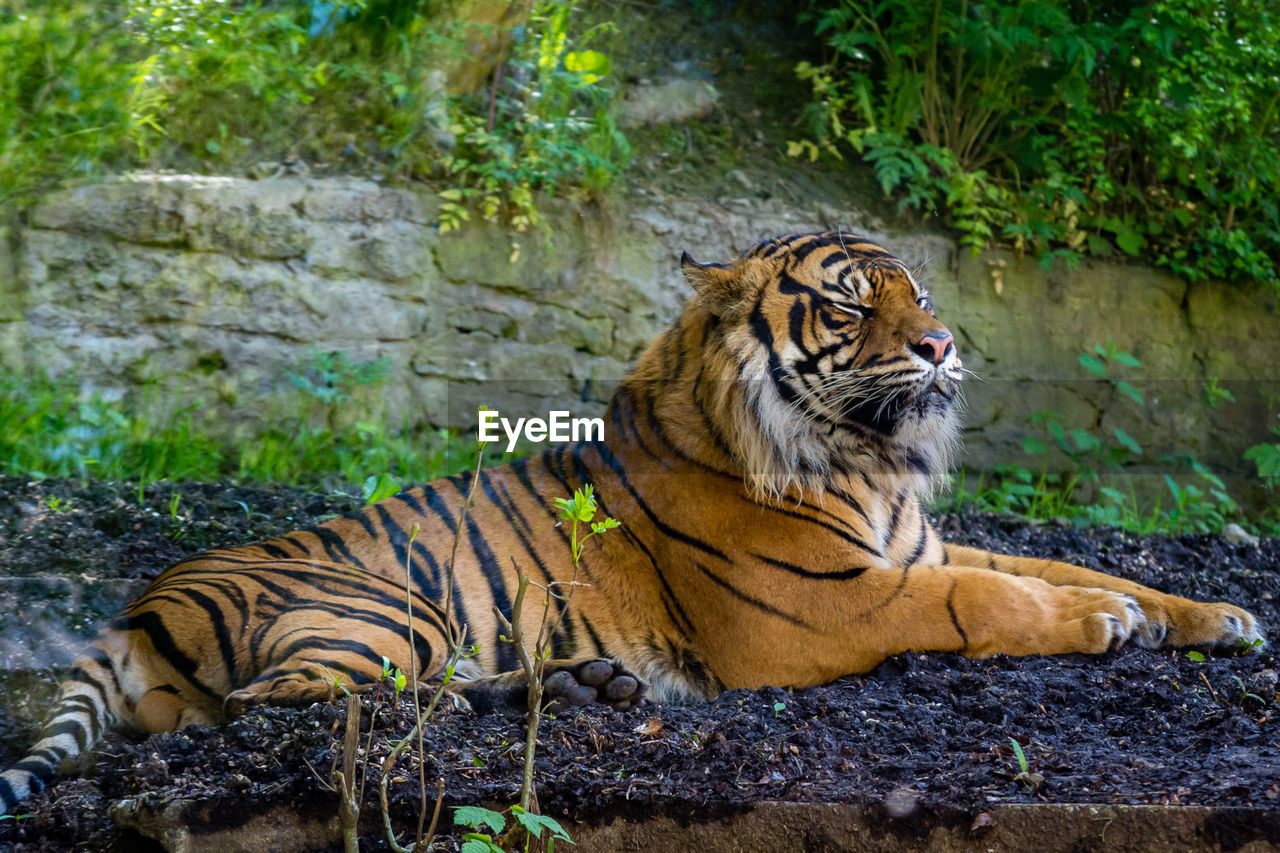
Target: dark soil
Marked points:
927	733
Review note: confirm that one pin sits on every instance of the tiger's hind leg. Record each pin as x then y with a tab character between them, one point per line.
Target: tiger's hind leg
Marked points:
164	709
566	684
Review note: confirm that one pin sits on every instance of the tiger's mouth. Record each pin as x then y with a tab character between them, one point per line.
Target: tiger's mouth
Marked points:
886	412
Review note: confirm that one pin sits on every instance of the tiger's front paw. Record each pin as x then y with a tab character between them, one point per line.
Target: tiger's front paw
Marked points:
1095	620
604	681
1192	623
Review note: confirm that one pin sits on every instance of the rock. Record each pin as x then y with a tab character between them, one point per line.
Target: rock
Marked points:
667	101
1237	535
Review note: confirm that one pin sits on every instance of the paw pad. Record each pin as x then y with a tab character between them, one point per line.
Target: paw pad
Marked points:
602	681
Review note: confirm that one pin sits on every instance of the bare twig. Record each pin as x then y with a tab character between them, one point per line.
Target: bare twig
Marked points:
345	781
454	637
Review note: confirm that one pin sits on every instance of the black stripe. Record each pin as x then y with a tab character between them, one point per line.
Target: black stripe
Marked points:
497	492
755	602
79	676
848	537
437	505
591	632
313	643
493	575
955	621
666	529
8	797
399	539
924	539
677	616
272	550
162	641
335	546
840	575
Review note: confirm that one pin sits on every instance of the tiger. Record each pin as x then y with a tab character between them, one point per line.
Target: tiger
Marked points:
769	458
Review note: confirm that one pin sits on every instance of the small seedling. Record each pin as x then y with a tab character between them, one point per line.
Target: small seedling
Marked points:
336	679
396	676
1245	693
1025	776
56	504
1195	656
779	707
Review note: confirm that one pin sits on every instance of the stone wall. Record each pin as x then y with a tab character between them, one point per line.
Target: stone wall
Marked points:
214	288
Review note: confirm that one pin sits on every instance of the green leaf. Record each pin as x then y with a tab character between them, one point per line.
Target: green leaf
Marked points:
1129	240
1033	445
535	823
1130	392
1127	440
591	62
1019	754
476	843
1085	441
1125	358
380	486
478	816
212	146
1091	364
1059	435
1198	657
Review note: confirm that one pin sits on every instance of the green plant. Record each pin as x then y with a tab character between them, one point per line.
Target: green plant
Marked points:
88	88
1245	693
545	123
1024	774
481	842
1065	128
56	504
1266	457
335	682
1196	509
1215	395
379	486
1086	491
53	429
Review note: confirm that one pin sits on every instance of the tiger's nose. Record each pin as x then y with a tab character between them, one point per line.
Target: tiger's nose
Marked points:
933	347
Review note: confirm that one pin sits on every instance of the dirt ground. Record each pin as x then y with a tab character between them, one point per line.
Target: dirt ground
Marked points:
926	733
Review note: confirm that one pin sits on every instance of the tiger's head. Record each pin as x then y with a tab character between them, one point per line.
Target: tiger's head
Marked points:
834	359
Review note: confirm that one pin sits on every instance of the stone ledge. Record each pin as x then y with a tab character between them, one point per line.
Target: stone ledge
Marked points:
189	825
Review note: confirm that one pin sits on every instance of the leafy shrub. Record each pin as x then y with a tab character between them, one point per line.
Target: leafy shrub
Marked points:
1086	492
211	85
1066	128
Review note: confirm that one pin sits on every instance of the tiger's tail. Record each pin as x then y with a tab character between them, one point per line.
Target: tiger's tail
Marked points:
89	702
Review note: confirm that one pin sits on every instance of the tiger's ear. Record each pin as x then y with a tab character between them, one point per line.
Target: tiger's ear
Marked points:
721	286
